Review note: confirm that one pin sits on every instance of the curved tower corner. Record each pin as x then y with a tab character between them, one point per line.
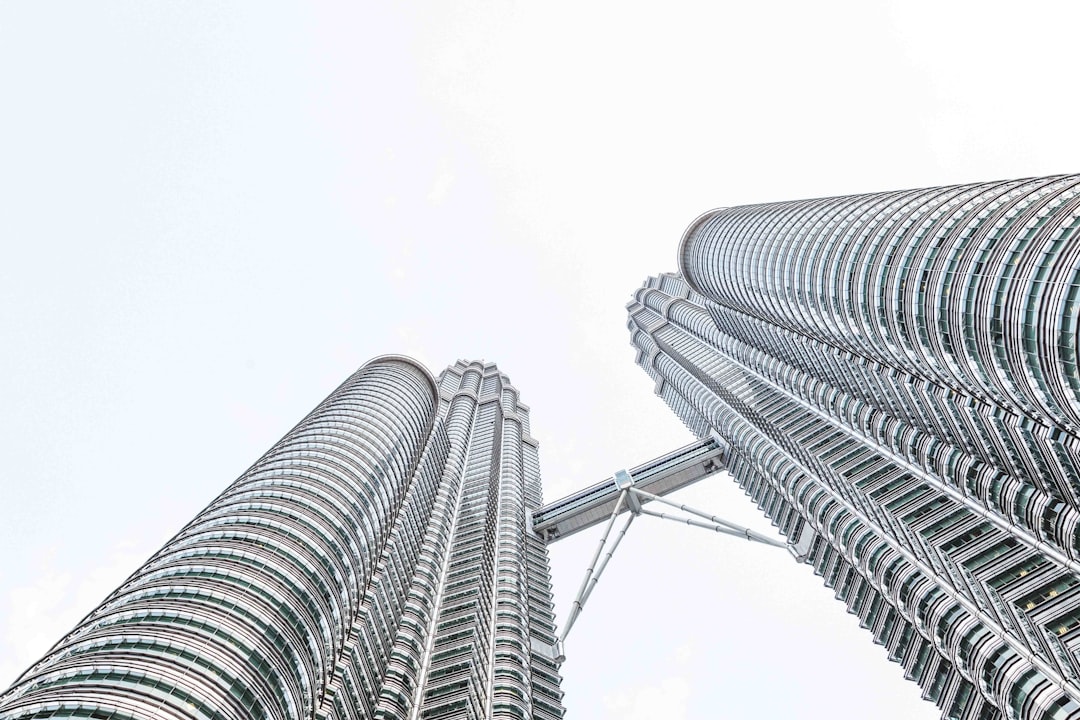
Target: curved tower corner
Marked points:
246	611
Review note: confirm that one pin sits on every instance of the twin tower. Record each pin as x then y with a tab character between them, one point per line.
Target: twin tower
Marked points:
892	378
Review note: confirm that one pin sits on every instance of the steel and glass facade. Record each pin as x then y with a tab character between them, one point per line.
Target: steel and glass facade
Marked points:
375	563
895	375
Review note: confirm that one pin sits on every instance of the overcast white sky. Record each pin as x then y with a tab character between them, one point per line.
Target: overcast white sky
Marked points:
212	213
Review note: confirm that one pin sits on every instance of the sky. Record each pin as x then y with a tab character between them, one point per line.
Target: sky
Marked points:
212	213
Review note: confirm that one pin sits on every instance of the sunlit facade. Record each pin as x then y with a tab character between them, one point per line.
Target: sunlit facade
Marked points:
374	563
896	377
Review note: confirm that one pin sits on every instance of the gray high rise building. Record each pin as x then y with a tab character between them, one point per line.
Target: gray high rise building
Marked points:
375	563
894	376
891	377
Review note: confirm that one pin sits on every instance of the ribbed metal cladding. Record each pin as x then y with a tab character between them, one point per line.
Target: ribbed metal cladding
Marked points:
317	585
973	287
244	613
895	374
493	607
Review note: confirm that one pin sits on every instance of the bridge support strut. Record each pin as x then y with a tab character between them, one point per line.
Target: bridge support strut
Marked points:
632	497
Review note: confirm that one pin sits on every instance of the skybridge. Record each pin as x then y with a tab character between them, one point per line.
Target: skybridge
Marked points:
628	492
658	476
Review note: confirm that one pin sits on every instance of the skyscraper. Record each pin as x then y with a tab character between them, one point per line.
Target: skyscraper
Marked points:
895	376
373	564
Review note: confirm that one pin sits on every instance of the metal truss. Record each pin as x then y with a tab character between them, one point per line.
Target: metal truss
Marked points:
659	476
631	498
